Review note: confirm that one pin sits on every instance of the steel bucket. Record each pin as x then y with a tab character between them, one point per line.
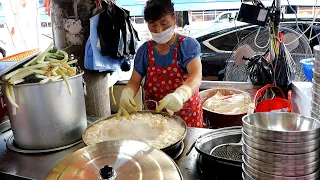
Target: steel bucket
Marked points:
48	116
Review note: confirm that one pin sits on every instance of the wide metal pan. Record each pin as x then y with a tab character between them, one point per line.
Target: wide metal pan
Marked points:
256	174
280	169
281	159
281	127
170	149
279	147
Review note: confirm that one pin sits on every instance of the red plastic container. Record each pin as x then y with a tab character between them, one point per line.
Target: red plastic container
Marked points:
276	103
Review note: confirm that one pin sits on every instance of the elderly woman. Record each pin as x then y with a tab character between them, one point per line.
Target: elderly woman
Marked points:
171	66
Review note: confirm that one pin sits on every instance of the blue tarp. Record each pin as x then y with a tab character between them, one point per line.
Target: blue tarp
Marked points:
2	19
44	18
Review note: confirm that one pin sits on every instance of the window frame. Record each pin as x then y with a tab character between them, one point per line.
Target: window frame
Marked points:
213	48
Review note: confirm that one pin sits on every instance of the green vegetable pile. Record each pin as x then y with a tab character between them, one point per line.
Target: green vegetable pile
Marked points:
49	66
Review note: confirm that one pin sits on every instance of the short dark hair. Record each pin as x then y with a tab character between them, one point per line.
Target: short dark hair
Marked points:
155	9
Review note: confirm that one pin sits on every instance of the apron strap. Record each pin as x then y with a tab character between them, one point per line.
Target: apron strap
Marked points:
175	54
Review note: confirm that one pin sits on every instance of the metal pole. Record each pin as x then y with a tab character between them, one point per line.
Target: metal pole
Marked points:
274	32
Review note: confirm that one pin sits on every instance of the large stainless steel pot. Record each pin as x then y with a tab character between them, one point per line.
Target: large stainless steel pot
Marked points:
171	149
48	116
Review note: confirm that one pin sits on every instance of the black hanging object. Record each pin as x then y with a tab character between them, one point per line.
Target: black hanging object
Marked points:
126	66
107	172
259	70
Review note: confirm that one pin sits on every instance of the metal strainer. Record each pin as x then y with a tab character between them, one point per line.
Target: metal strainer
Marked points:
229	151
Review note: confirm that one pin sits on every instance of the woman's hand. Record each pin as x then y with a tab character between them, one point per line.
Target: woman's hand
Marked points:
173	102
127	102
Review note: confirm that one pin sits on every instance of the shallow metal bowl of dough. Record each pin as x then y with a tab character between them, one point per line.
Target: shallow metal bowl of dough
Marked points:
256	174
281	159
280	169
168	149
282	127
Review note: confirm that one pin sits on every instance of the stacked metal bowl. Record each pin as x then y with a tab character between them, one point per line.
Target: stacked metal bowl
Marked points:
315	110
280	146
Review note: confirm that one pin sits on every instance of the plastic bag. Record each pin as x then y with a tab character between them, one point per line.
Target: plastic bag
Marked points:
284	68
259	70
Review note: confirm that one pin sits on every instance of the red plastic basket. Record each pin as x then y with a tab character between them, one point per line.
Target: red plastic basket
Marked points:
268	105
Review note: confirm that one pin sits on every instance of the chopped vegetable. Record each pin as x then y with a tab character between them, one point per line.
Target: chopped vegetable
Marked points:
65	79
49	66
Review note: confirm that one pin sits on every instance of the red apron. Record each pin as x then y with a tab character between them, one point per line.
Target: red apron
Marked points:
161	81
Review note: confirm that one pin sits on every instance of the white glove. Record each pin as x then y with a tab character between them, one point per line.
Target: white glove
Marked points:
173	102
126	100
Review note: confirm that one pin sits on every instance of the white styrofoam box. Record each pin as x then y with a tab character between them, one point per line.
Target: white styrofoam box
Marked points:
302	97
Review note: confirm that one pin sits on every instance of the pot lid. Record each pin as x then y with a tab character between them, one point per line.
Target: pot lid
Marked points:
121	160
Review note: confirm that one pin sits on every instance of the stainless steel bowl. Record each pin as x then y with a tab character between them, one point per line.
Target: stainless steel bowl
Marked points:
315	87
279	147
315	115
315	107
282	127
245	175
316	65
256	174
280	169
281	159
316	97
316	76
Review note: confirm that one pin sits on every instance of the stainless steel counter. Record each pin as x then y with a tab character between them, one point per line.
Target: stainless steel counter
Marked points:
37	166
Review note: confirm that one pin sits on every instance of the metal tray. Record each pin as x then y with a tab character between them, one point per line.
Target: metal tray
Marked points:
16	65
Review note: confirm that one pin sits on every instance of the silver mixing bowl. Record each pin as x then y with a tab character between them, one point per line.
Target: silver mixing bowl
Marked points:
282	127
315	87
280	169
245	175
316	75
256	174
281	159
315	108
316	65
280	147
316	97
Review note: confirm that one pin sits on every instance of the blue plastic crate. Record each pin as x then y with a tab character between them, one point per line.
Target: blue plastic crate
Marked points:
307	65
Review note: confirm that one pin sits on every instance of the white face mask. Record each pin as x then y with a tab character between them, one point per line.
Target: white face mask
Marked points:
164	36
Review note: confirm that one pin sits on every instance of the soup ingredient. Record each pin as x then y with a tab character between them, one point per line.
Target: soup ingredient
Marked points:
154	129
49	66
231	104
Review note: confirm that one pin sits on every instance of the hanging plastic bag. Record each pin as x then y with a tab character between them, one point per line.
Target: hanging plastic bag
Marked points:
259	70
284	68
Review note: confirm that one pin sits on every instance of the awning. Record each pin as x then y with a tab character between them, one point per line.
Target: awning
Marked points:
136	6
